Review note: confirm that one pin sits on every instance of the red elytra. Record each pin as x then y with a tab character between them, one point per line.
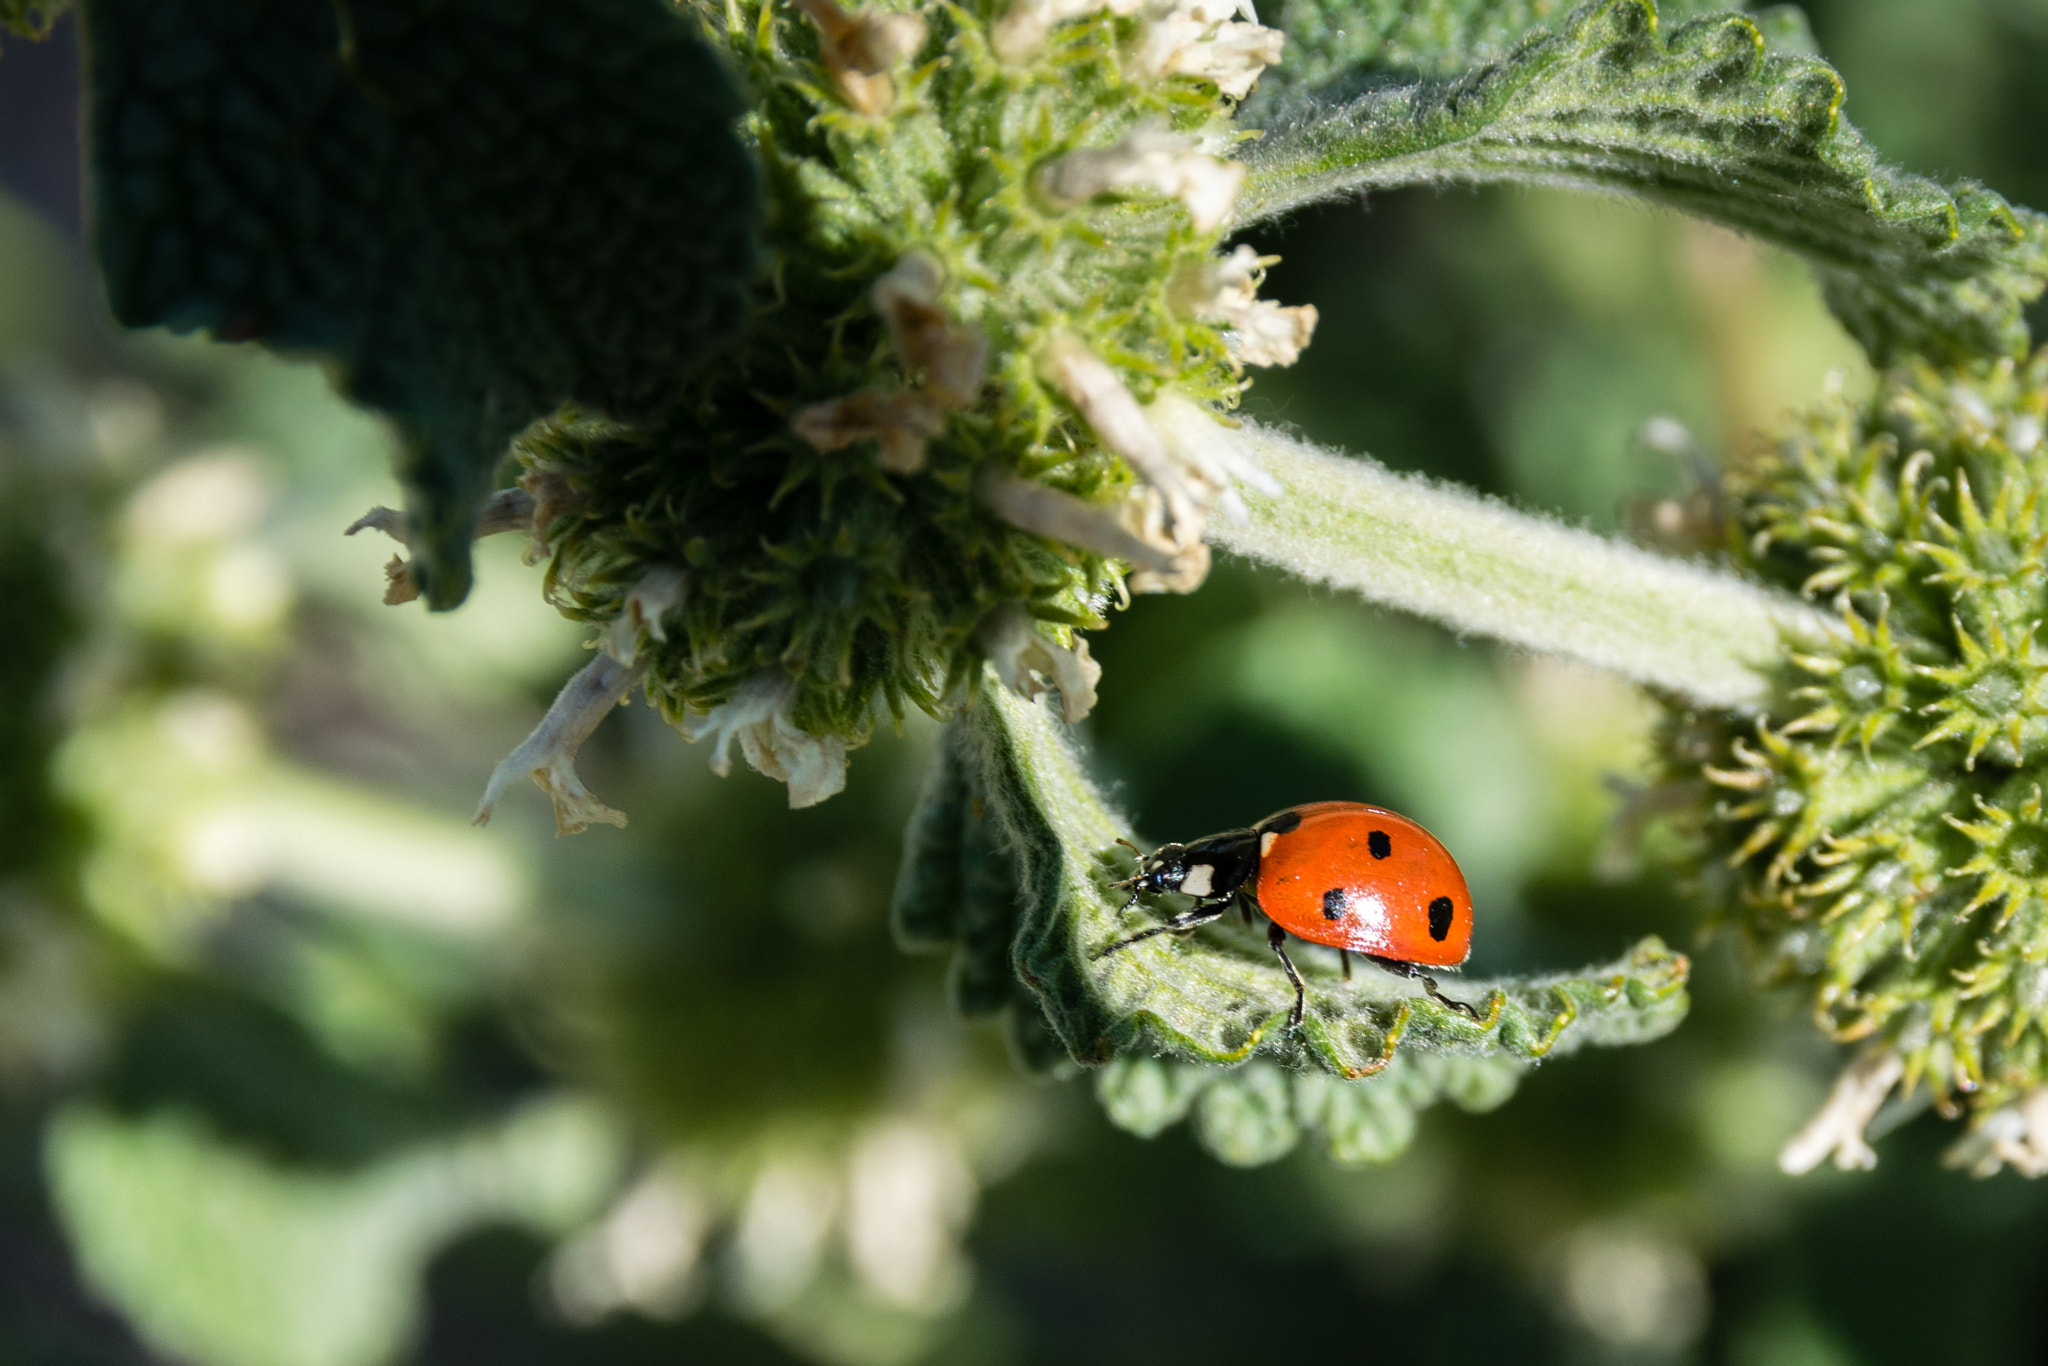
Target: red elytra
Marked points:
1357	878
1328	881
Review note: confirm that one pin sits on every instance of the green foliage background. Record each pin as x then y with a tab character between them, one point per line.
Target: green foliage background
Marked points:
718	982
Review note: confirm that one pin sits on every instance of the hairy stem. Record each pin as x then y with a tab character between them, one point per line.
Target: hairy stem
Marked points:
1479	566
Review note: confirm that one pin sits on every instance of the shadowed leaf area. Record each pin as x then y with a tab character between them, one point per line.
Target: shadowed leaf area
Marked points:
1009	860
479	209
1727	118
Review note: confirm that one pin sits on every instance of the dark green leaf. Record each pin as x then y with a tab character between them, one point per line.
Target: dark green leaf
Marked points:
1217	996
479	208
1357	43
1718	118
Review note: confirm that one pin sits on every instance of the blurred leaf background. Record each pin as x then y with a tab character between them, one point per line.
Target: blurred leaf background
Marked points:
299	1069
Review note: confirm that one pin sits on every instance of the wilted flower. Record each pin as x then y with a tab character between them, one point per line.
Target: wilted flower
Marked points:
1836	1130
1022	30
2014	1135
900	424
1120	425
1226	292
861	49
1199	38
1027	660
510	509
952	356
659	592
548	756
757	716
1149	159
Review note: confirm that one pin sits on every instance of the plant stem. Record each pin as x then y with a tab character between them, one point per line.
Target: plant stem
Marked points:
1479	566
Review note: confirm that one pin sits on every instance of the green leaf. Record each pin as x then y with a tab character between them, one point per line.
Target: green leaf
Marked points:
1717	118
957	893
479	208
217	1254
31	18
1258	1112
1357	42
1217	996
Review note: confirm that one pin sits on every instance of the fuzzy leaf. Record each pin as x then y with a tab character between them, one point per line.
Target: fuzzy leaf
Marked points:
479	208
31	18
956	892
1349	43
1717	118
1256	1113
1218	996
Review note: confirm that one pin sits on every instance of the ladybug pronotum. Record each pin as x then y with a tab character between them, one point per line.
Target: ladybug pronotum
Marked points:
1355	878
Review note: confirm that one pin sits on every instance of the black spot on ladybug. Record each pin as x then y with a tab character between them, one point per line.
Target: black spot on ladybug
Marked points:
1439	917
1280	823
1380	845
1333	905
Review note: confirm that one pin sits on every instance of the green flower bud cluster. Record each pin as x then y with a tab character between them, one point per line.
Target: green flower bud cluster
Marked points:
978	403
1877	828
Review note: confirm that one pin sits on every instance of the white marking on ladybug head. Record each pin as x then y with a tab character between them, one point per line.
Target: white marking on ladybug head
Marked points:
1198	880
1267	841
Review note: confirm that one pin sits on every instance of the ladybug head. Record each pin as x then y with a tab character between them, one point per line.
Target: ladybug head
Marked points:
1162	870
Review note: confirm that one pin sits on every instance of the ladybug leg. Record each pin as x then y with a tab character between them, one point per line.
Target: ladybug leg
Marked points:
1399	968
1277	937
1180	924
1464	1008
1244	906
1344	957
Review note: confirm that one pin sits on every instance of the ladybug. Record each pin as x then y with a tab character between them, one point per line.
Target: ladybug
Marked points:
1357	878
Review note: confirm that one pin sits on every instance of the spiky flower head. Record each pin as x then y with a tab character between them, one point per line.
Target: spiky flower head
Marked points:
1878	830
976	405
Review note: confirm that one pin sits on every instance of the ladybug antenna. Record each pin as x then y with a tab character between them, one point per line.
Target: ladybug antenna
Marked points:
1133	878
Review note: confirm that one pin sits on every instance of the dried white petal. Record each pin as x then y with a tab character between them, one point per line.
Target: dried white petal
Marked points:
1060	516
1024	26
2014	1135
1267	333
390	521
952	355
659	592
548	756
1149	159
1130	532
1184	575
859	50
506	510
553	497
400	586
1200	442
1120	425
1837	1129
1198	38
1027	660
1226	292
901	424
758	717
